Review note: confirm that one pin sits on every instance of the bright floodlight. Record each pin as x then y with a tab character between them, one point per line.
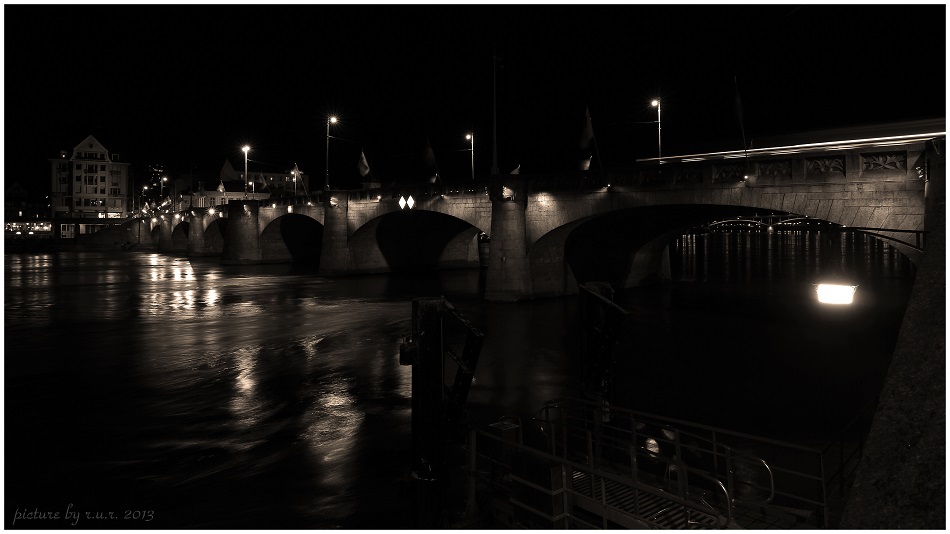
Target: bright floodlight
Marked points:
655	103
245	148
333	120
468	136
835	294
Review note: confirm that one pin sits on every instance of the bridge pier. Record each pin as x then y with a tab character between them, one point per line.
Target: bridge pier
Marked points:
197	224
507	278
242	241
334	251
165	244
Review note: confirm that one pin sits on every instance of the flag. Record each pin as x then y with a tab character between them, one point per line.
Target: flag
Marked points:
587	135
429	154
517	170
363	165
430	163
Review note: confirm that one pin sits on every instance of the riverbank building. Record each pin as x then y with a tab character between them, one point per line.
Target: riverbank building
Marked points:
88	187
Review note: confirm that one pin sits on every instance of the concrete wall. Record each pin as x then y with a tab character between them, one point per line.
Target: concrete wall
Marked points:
901	480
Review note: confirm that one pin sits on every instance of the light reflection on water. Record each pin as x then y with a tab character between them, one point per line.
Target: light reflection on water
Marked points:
264	396
253	385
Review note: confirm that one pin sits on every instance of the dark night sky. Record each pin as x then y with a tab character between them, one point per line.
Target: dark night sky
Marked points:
186	86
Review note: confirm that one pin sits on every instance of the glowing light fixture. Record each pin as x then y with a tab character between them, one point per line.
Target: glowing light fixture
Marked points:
659	129
835	293
402	203
211	211
326	184
471	137
246	149
410	202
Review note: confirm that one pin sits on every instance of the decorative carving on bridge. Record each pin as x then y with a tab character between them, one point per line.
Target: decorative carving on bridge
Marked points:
825	165
775	168
728	173
688	175
893	161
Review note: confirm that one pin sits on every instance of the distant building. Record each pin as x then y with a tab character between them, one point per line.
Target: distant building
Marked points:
24	216
87	187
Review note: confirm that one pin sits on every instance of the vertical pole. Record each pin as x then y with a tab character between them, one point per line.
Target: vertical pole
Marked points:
494	114
427	405
326	182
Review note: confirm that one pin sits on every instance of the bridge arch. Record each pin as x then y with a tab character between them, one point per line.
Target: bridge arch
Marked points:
215	232
180	235
418	240
626	247
291	237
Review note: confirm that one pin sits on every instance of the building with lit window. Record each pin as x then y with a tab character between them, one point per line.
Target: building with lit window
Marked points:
88	186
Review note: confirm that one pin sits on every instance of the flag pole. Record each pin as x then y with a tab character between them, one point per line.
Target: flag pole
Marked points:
741	120
494	112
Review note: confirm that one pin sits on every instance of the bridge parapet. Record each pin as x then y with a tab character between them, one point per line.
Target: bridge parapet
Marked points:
468	204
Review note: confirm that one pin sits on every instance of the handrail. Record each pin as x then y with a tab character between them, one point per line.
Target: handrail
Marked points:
731	453
702	508
686	469
737	434
848	443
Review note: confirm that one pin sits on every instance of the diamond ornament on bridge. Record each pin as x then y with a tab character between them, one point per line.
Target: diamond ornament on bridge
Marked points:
402	203
410	202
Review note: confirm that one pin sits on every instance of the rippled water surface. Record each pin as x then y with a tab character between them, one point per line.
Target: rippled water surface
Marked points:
267	397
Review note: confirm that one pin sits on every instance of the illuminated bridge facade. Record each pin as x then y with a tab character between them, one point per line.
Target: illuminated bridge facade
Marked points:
546	234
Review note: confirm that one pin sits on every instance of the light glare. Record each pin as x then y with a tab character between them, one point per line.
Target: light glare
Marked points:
835	294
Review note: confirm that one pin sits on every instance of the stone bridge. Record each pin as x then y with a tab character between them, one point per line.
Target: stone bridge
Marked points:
549	233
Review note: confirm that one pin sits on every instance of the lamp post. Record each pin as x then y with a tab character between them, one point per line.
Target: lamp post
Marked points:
246	149
326	184
161	190
659	129
471	137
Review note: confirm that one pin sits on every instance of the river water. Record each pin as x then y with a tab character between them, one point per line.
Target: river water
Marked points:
177	393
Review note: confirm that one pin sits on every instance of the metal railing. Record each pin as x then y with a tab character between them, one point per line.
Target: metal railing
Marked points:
570	493
756	471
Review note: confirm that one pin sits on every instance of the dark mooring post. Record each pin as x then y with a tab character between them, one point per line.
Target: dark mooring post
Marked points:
440	336
424	352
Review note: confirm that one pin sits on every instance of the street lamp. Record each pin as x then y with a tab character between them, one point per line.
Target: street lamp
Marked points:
326	184
246	149
659	129
161	190
471	137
